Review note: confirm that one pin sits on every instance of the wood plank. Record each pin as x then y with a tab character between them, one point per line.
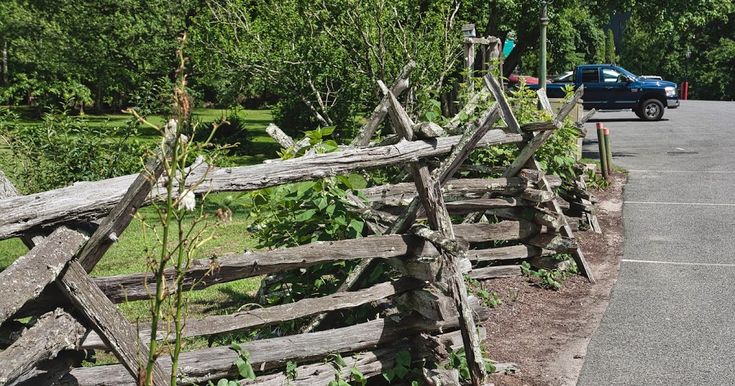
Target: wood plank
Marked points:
481	204
513	252
381	110
113	225
537	126
26	278
260	317
430	196
239	266
279	136
535	143
218	362
369	364
91	200
452	126
108	322
50	334
553	241
7	189
506	112
544	100
504	230
454	189
465	146
50	372
495	272
554	205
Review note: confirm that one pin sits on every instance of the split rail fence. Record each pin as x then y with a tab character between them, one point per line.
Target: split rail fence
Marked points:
70	229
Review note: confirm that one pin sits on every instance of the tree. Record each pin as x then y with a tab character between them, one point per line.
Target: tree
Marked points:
106	48
322	59
610	54
706	28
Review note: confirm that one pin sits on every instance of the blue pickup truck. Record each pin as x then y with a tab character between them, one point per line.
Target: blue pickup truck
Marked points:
611	87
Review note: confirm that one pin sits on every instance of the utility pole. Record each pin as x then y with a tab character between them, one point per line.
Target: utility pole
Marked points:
542	54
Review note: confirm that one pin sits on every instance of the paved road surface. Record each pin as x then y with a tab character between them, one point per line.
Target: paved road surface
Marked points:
671	319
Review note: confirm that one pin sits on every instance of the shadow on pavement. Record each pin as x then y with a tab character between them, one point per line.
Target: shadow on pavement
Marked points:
624	120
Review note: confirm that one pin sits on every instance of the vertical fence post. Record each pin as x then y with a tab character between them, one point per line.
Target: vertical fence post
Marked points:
602	149
608	151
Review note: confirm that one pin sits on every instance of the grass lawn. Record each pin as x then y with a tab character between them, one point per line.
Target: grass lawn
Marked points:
128	254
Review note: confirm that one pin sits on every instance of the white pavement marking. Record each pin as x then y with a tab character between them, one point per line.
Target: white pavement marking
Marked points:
677	263
682	171
677	203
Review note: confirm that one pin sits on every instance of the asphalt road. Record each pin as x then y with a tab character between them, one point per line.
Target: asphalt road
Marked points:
671	318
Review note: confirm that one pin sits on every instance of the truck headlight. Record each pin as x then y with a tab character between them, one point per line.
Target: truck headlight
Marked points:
670	91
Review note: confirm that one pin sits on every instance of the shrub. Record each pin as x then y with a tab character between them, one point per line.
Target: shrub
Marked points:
230	132
64	149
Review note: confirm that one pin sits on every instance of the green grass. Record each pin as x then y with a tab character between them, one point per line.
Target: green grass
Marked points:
128	254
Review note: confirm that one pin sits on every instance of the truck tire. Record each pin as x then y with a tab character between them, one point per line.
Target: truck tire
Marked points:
651	110
638	112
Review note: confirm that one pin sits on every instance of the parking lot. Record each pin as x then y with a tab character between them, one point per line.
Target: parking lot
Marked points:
670	318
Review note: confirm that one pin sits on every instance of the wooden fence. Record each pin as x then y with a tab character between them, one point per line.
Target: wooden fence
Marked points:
70	229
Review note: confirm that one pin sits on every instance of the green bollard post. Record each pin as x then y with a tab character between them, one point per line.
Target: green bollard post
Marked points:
602	150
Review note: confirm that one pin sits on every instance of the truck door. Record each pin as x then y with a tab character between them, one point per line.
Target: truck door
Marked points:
617	92
593	89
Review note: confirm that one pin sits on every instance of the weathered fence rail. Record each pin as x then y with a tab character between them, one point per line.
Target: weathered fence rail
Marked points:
431	306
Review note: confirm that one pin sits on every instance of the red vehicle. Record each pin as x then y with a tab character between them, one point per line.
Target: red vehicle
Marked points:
514	79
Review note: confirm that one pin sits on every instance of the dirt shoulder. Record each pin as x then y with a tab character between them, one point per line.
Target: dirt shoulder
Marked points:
546	332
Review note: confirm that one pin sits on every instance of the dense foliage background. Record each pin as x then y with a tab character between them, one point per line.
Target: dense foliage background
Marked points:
317	61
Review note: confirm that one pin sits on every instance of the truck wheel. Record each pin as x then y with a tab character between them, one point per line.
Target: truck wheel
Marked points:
638	112
651	110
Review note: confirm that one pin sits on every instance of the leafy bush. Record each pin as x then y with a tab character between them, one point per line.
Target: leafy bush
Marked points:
63	149
153	97
46	96
230	132
556	156
301	213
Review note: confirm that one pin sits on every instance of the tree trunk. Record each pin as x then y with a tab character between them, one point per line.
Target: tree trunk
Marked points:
98	98
5	63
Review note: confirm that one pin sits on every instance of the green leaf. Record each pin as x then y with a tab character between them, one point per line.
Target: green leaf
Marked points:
389	375
291	370
305	215
336	358
358	376
245	369
331	208
401	371
403	358
357	225
357	181
223	382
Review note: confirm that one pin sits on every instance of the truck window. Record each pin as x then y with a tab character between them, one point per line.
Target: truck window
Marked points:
590	75
610	76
